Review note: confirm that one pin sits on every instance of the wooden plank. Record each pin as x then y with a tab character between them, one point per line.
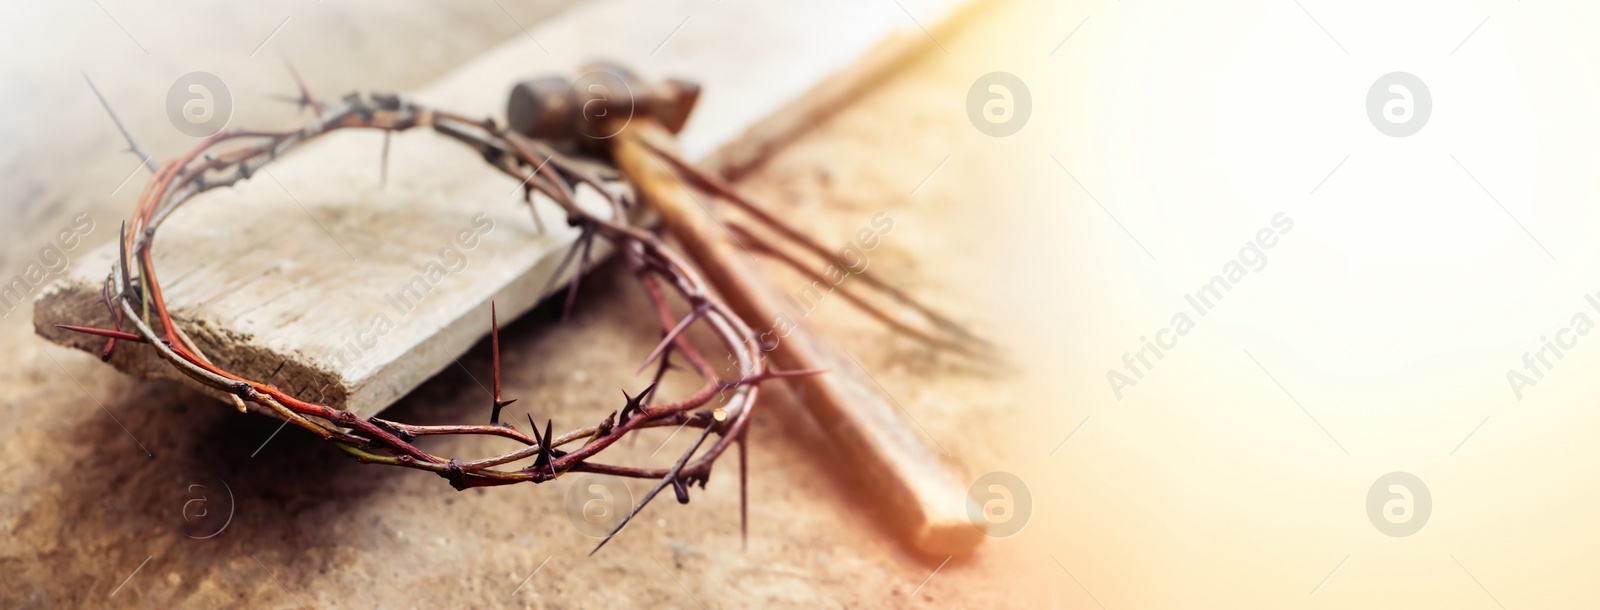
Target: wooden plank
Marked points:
907	478
313	279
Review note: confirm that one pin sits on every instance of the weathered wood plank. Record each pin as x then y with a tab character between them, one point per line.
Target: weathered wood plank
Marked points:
310	277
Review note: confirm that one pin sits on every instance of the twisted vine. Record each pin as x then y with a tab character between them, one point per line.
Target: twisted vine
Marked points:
133	294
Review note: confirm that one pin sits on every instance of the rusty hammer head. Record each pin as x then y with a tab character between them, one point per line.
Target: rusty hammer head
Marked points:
597	105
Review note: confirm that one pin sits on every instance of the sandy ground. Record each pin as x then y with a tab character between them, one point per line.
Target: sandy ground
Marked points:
87	513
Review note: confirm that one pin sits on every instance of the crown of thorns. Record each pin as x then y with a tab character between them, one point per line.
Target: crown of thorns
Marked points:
720	407
133	295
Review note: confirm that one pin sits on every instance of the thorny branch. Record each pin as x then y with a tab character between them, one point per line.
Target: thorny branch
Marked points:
133	293
720	407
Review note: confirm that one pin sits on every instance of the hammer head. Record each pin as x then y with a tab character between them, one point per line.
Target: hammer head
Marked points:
597	105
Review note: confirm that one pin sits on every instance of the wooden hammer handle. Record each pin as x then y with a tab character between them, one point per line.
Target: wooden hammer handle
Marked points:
892	464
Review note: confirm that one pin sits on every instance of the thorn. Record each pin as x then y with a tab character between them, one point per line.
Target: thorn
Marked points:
562	268
544	457
661	372
681	489
672	335
494	342
305	93
133	146
494	346
744	504
549	452
583	267
671	476
114	334
116	317
635	404
544	444
649	391
123	260
527	195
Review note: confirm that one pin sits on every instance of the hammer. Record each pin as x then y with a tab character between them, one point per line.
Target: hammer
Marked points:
612	110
